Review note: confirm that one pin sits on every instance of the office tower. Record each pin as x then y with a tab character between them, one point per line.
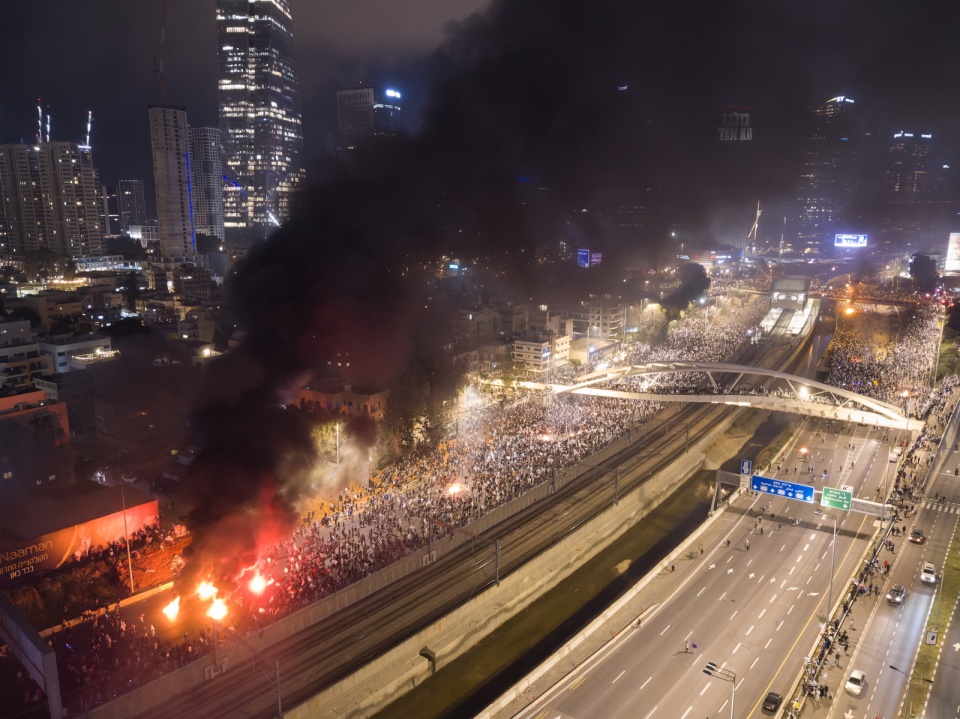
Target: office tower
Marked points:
50	199
908	176
355	117
109	216
825	188
386	114
132	206
171	175
206	180
259	116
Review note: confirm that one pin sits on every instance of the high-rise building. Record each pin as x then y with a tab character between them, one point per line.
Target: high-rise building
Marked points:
259	116
171	175
206	180
360	116
826	184
908	175
50	199
109	215
355	117
131	205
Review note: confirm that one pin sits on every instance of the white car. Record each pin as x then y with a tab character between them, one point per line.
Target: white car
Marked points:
928	573
856	682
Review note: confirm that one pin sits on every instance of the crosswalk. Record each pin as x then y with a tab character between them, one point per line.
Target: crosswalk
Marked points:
945	507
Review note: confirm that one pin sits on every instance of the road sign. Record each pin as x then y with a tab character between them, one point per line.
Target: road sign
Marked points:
789	490
746	466
836	498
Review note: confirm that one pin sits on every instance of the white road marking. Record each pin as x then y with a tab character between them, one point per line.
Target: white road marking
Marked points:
664	630
765	646
773	598
781	621
701	591
734	651
733	615
749	630
618	676
705	688
762	612
646	682
650	713
722	596
757	658
687	712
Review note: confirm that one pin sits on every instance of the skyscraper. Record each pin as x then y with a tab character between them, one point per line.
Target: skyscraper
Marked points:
171	174
206	180
259	115
131	204
360	116
50	199
908	175
826	184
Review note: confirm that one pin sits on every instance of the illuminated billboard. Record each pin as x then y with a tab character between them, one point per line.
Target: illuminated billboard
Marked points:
850	241
20	557
583	258
953	253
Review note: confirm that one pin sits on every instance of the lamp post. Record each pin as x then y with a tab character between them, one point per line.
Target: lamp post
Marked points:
126	537
712	669
908	685
833	557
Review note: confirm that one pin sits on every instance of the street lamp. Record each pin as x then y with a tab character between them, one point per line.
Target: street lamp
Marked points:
908	685
714	670
833	557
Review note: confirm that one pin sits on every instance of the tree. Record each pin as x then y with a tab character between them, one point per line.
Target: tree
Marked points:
923	270
131	291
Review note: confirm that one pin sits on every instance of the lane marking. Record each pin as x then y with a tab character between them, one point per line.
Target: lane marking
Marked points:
704	690
618	676
735	648
701	591
749	630
646	682
733	615
762	612
664	630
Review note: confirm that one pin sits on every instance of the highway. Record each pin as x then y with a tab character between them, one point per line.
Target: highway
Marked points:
755	611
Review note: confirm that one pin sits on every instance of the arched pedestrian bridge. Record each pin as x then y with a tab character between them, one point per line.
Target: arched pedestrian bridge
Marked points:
782	392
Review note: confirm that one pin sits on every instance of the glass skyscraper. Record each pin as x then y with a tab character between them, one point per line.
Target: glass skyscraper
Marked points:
259	116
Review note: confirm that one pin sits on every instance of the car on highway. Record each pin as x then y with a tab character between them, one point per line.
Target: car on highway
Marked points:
772	702
897	594
917	536
855	683
928	573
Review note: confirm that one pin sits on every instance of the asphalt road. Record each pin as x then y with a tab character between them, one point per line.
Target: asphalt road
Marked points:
754	611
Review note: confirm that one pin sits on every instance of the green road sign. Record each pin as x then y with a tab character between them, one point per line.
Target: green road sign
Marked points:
836	498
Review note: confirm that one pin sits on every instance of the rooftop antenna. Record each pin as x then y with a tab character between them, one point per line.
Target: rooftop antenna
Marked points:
158	61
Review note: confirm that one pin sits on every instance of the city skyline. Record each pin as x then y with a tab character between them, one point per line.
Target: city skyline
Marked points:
776	61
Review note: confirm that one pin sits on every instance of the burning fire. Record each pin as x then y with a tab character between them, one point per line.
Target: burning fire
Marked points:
205	590
455	488
217	610
257	584
172	609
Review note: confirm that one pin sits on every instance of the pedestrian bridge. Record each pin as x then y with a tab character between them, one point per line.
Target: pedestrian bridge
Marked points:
780	391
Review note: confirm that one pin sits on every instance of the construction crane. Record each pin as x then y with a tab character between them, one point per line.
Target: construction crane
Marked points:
158	61
752	235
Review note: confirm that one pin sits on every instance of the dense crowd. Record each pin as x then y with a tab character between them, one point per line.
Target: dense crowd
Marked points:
499	453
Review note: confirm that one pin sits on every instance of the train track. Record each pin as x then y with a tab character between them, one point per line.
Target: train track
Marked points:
328	651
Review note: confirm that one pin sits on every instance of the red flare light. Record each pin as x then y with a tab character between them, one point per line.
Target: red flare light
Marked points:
205	590
217	610
172	609
257	584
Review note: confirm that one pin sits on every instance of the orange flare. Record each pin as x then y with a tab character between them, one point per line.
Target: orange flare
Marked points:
172	609
205	590
217	610
257	584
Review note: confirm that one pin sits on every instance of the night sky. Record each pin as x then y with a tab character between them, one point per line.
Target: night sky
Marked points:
681	63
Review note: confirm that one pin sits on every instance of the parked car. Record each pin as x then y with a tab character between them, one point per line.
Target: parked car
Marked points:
928	573
772	702
917	536
897	594
855	683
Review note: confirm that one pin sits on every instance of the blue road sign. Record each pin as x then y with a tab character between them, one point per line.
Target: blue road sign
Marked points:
790	490
746	466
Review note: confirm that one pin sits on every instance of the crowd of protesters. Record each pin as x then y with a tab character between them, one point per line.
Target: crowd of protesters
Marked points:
498	454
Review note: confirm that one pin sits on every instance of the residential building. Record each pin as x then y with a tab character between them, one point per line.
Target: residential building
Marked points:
50	199
171	174
206	180
131	205
20	358
342	398
85	349
34	443
260	120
